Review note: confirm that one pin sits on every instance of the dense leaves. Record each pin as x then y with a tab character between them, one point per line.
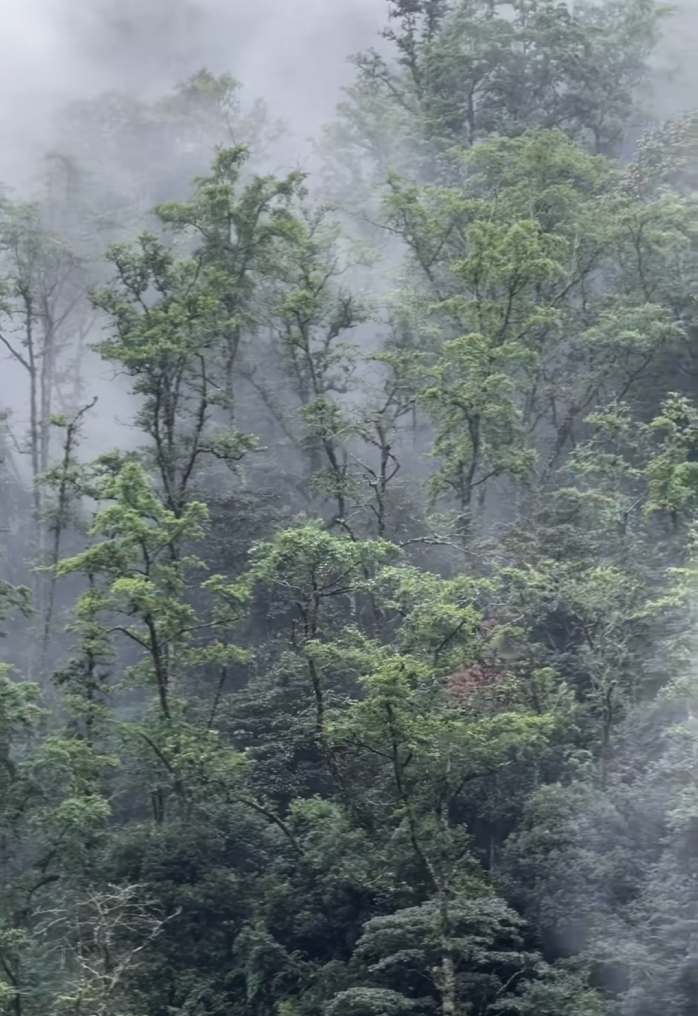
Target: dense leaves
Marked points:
360	681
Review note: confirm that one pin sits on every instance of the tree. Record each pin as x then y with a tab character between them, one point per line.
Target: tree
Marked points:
429	746
464	72
144	580
42	287
170	348
531	326
53	816
311	315
179	323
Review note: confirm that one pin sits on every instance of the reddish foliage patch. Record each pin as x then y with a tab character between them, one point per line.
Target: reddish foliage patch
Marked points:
474	678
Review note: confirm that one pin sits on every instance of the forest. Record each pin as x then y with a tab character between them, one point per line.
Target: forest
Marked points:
348	533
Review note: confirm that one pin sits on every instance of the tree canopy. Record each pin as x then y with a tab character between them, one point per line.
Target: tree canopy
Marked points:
356	678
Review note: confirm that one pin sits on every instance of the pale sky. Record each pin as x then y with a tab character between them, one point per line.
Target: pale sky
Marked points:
291	52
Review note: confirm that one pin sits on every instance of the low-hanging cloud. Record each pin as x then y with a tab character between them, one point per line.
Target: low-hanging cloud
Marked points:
292	53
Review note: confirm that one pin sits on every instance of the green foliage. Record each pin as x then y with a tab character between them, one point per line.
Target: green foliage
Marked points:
315	565
536	269
672	471
144	579
311	747
462	72
170	348
13	598
561	993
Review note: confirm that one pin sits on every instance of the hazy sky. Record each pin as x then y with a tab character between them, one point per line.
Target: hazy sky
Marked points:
291	52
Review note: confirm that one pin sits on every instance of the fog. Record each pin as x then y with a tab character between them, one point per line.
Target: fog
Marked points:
677	76
418	714
292	53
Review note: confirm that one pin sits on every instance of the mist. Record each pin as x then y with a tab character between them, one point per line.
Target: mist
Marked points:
348	508
291	53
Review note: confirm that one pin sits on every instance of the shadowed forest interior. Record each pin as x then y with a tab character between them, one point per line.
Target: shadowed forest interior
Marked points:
349	519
